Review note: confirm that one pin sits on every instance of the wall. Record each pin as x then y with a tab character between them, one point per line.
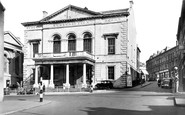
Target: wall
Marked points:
1	51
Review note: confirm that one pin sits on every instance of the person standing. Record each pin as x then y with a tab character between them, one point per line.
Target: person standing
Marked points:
41	91
176	80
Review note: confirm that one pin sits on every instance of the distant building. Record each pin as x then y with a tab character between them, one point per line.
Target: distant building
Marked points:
2	9
161	65
143	70
181	45
13	60
76	46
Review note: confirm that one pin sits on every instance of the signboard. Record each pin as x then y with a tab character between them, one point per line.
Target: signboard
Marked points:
129	81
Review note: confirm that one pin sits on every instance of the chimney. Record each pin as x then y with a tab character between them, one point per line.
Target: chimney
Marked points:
86	8
45	14
131	3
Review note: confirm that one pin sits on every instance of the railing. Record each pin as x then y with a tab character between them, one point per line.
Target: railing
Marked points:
64	55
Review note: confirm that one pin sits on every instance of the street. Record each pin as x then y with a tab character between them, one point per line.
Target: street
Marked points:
140	100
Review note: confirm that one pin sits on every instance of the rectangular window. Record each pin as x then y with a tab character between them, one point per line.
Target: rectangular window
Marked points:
111	45
35	49
111	72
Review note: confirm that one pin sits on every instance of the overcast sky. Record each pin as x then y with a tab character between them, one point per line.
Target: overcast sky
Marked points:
156	20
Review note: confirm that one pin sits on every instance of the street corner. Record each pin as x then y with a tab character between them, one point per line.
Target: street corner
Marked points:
9	107
179	101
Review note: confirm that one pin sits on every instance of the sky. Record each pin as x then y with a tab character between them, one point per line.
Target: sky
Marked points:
156	20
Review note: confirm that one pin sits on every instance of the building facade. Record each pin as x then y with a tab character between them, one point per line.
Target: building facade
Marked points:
2	9
161	65
181	44
74	47
13	60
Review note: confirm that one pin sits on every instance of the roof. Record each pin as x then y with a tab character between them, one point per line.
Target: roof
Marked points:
2	7
69	7
89	15
12	39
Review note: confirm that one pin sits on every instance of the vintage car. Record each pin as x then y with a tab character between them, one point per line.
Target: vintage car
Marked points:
104	84
166	83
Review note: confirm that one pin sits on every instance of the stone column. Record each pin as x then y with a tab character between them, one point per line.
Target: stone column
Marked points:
67	85
51	84
84	76
36	85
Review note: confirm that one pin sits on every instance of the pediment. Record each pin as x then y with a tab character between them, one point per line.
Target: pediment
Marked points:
70	12
11	39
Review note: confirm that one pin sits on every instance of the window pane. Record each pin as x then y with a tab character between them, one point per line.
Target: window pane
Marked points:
111	45
35	49
56	45
72	45
87	45
111	72
72	42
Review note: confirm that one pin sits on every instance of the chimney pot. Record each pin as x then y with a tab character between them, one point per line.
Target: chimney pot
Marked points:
45	14
131	3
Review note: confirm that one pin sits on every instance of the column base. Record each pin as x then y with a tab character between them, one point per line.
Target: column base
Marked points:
52	85
36	85
84	85
67	85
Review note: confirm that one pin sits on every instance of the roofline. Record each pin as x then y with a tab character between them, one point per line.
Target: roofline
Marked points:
69	6
76	19
14	37
2	7
163	53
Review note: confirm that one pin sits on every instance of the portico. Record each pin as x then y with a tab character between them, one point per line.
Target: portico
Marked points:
67	72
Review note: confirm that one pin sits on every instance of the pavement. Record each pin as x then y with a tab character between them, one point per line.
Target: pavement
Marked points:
179	99
11	106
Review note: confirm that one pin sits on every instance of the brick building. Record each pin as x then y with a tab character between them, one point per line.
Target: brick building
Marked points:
161	65
181	44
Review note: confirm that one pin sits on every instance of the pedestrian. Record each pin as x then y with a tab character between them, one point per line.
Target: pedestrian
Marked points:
41	91
91	88
44	88
176	80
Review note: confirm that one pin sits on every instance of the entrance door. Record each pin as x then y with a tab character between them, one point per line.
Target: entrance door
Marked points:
59	75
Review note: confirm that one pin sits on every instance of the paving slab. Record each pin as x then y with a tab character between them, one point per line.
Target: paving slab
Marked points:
8	107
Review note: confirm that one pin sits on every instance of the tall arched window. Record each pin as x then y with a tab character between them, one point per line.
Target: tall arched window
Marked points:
88	42
72	42
56	44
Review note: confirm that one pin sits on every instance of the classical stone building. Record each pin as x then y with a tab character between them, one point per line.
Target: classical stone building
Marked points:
181	44
161	65
76	46
13	60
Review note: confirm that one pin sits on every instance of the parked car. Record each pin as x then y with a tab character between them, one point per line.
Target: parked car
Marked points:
166	82
104	84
